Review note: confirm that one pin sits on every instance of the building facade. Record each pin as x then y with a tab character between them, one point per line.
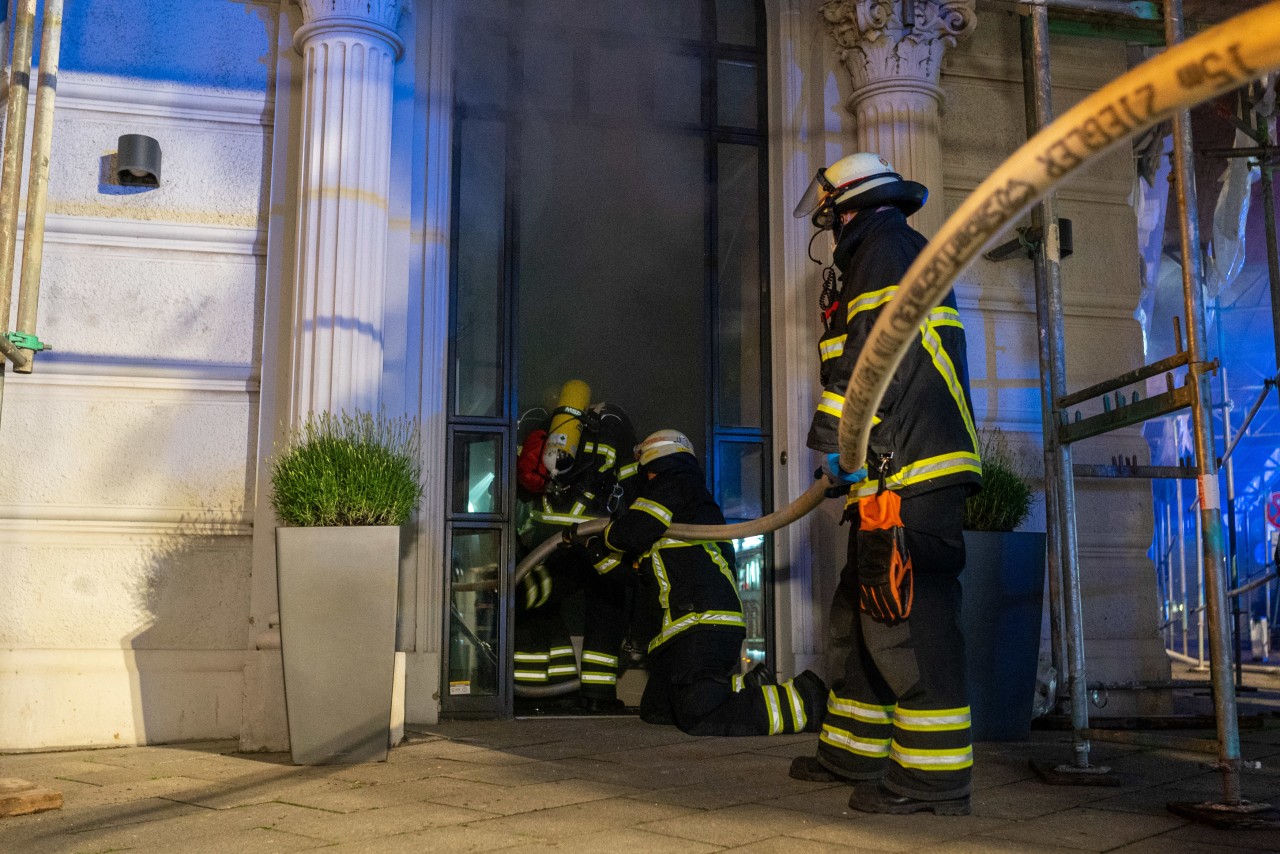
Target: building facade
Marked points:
316	242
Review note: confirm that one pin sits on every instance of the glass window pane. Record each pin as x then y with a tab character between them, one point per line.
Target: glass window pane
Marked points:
739	310
617	73
478	307
677	88
480	80
740	479
736	93
622	310
548	75
751	554
736	21
475	473
474	613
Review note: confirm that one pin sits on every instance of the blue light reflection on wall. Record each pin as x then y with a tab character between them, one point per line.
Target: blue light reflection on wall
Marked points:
225	44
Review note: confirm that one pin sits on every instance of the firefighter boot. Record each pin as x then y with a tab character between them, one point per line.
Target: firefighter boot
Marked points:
876	797
813	693
761	674
809	769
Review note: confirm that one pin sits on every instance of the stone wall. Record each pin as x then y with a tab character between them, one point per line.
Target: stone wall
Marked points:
126	524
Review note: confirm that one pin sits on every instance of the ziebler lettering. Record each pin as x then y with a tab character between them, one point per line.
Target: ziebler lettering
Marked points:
1096	133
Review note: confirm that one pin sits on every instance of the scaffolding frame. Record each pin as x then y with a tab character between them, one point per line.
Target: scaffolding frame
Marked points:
1059	432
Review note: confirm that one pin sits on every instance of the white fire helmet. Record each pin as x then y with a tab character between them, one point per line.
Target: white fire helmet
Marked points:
660	444
855	182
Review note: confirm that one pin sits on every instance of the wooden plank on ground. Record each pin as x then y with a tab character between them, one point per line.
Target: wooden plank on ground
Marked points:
19	797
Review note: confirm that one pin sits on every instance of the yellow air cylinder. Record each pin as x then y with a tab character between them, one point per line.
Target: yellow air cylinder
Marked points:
566	427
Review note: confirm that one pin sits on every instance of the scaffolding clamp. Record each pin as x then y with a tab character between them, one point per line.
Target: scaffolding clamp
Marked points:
24	341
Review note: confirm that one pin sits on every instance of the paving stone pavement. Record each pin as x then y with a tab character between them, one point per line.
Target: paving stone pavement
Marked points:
610	785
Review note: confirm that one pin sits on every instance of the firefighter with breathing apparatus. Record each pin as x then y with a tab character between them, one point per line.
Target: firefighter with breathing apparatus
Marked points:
575	467
897	724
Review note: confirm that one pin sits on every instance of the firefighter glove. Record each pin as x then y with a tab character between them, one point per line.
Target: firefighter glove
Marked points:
839	475
885	588
884	575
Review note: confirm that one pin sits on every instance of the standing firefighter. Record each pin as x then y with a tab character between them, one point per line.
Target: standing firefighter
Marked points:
576	469
688	608
897	725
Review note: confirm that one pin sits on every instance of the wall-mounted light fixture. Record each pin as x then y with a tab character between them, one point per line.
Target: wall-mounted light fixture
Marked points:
138	161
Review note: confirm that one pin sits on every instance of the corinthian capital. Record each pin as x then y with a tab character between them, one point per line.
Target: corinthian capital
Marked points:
876	44
375	17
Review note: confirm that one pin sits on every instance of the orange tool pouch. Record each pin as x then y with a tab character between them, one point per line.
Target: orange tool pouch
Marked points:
884	567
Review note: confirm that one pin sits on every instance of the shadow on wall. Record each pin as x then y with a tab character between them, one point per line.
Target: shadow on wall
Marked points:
186	664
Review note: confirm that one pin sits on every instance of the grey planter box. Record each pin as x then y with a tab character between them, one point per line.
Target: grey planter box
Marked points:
1003	600
338	590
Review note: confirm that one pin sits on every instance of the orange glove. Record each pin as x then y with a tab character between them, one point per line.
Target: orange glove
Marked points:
885	589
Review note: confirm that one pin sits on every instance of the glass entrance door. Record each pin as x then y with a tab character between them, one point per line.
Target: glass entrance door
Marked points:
608	227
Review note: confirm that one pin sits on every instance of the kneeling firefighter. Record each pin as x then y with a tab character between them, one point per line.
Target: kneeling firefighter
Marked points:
688	608
575	468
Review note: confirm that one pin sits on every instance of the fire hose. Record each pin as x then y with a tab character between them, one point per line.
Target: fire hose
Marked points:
1216	61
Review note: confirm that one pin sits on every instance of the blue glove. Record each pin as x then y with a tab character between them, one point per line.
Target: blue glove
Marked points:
839	475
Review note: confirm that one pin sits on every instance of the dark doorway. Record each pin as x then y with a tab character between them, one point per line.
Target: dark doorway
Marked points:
609	222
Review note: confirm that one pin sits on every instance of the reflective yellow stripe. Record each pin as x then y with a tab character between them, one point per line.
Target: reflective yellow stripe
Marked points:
832	348
773	708
797	706
947	369
949	759
599	679
552	518
606	451
877	748
629	470
607	563
705	618
537	586
860	711
871	300
561	651
831	403
926	469
654	509
937	720
533	657
664	586
736	683
600	658
944	316
713	552
562	670
530	676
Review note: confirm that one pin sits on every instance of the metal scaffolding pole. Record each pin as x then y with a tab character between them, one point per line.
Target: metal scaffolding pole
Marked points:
1267	180
1058	466
1045	268
1224	695
38	185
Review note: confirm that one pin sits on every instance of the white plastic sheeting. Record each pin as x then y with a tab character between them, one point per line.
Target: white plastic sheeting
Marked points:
1226	254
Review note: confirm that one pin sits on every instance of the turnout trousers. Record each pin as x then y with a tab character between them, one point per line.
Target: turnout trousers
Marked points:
901	712
692	684
543	650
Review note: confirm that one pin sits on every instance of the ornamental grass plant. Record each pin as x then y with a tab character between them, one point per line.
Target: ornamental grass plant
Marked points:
1006	496
340	470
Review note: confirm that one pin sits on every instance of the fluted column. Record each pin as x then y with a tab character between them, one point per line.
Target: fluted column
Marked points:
349	50
894	66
